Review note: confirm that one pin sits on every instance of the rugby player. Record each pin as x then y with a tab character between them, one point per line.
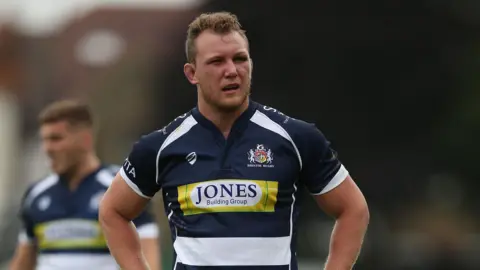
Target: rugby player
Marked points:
60	212
231	171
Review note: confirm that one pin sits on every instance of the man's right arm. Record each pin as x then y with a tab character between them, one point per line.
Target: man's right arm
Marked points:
124	200
25	257
119	206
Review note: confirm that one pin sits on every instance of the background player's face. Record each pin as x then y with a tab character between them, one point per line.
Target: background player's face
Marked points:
222	70
63	144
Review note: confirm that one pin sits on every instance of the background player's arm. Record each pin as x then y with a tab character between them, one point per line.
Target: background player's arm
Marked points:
125	199
25	257
148	232
337	194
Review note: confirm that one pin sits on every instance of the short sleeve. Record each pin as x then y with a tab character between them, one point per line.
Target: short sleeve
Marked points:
26	234
146	225
322	170
140	169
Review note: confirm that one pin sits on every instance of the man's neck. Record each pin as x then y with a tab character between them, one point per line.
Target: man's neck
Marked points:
90	164
223	120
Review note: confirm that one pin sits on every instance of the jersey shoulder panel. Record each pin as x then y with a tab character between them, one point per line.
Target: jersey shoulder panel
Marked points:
160	138
295	127
38	188
301	134
106	175
176	129
321	169
143	165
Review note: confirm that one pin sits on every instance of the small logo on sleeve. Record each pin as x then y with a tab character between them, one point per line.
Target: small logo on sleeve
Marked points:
260	157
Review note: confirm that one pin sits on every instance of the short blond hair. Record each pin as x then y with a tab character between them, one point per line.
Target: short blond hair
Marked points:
74	112
219	22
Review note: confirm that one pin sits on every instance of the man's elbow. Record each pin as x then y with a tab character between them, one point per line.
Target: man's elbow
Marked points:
360	213
109	215
357	213
106	214
364	215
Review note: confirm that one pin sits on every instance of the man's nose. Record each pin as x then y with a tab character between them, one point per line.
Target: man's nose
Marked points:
231	69
48	148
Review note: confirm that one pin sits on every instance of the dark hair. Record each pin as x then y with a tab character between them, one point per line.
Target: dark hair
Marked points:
71	111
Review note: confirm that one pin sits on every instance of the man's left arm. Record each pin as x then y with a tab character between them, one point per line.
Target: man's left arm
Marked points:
337	195
148	233
347	205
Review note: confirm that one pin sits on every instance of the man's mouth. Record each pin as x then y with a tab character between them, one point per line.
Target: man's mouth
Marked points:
231	87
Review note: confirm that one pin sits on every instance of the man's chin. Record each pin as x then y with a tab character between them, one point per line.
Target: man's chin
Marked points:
232	104
57	169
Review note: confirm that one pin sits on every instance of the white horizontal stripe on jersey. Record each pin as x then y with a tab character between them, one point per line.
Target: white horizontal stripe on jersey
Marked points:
149	230
76	262
238	251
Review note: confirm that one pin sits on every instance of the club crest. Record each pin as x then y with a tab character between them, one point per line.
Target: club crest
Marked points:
260	157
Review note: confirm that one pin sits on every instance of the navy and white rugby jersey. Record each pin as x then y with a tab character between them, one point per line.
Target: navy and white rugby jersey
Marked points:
233	202
64	224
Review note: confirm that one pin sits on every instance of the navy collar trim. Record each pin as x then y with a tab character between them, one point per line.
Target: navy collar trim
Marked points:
239	125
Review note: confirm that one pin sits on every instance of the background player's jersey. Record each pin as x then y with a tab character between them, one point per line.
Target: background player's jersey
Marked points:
64	224
234	202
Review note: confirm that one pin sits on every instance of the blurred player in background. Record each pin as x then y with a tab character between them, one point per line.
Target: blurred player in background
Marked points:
230	172
60	212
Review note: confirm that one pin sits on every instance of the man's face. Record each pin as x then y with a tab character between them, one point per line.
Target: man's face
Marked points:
222	69
63	144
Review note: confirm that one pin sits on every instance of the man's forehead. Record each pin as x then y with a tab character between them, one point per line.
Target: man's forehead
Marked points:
210	43
58	126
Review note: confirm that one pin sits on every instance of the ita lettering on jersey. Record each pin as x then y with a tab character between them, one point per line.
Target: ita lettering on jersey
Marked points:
129	169
228	196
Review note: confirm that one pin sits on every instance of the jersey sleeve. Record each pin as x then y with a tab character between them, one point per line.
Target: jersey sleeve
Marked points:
322	170
146	225
140	169
26	234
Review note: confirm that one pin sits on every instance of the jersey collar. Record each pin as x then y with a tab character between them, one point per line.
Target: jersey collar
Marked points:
239	125
87	178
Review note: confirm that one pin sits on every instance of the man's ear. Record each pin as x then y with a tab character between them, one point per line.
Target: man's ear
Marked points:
83	136
251	65
189	70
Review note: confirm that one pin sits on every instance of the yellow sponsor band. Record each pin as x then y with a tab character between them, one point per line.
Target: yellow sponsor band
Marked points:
71	240
229	195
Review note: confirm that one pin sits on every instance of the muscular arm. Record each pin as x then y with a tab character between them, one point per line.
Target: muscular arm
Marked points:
151	250
119	206
25	257
336	193
347	205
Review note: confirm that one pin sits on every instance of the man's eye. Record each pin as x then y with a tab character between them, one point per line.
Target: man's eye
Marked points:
241	59
215	61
